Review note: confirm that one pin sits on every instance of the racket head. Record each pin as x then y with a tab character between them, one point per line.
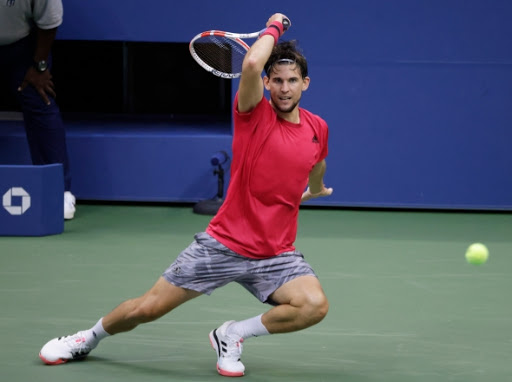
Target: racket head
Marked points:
220	53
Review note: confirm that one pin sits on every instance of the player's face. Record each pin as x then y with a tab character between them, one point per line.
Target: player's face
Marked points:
286	86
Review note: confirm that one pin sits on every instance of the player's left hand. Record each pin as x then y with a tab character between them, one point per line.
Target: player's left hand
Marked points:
308	195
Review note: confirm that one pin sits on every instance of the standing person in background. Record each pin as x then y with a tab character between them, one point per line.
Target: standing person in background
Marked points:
279	149
27	31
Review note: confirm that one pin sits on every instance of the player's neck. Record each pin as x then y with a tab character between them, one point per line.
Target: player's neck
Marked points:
292	116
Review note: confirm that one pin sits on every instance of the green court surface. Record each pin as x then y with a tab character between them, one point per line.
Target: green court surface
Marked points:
404	304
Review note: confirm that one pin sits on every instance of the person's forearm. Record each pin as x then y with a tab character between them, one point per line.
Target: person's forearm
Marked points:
45	39
260	51
316	177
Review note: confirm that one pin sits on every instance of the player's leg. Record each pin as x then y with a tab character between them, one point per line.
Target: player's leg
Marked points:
301	303
159	300
199	269
286	281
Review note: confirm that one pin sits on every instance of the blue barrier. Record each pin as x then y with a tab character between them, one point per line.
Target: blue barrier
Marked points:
32	200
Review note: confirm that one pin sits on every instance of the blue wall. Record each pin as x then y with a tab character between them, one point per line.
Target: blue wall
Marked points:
417	93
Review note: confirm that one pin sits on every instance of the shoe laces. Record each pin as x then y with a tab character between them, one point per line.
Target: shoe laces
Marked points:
231	347
77	343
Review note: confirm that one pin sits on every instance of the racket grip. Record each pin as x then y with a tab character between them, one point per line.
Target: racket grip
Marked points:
286	23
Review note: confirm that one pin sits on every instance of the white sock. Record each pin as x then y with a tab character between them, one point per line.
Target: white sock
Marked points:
252	327
96	333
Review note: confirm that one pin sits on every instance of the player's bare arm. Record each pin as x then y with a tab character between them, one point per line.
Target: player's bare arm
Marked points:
251	86
316	187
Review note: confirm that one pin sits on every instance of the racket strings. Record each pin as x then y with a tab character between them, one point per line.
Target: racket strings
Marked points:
221	53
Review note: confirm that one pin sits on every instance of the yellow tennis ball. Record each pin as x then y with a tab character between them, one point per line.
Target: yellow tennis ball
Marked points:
477	253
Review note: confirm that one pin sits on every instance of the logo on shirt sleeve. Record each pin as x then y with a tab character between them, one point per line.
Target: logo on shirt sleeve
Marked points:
315	139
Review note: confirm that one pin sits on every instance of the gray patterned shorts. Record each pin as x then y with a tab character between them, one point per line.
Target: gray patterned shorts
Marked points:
206	265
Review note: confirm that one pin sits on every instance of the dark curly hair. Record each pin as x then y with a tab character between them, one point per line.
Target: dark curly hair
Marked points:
287	51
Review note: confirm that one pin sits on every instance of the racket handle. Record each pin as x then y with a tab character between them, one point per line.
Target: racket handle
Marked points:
286	23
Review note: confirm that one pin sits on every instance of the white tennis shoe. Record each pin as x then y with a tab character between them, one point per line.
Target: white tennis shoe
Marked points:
63	349
229	349
69	205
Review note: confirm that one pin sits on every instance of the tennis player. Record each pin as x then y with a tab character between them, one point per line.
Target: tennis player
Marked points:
279	150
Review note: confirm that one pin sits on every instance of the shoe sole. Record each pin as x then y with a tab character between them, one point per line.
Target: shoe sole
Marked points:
214	342
60	361
68	215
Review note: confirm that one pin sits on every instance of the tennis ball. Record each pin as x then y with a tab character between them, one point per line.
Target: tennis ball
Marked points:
477	253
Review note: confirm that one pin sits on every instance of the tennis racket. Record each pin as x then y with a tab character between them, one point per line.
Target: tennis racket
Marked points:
222	53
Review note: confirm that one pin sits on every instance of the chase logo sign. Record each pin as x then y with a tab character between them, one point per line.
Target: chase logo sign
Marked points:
12	204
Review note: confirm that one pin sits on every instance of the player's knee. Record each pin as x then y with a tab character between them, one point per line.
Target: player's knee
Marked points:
316	308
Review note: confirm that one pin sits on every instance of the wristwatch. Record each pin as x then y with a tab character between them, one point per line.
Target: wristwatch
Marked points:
41	66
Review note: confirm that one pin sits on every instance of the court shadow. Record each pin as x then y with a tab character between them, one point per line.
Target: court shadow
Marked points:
167	367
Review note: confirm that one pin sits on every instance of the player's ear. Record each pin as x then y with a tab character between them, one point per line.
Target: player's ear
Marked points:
266	82
305	83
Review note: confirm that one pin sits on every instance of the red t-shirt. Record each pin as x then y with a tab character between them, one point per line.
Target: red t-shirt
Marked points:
272	159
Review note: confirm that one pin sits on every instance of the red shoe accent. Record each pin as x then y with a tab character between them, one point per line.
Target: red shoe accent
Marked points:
58	362
229	373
